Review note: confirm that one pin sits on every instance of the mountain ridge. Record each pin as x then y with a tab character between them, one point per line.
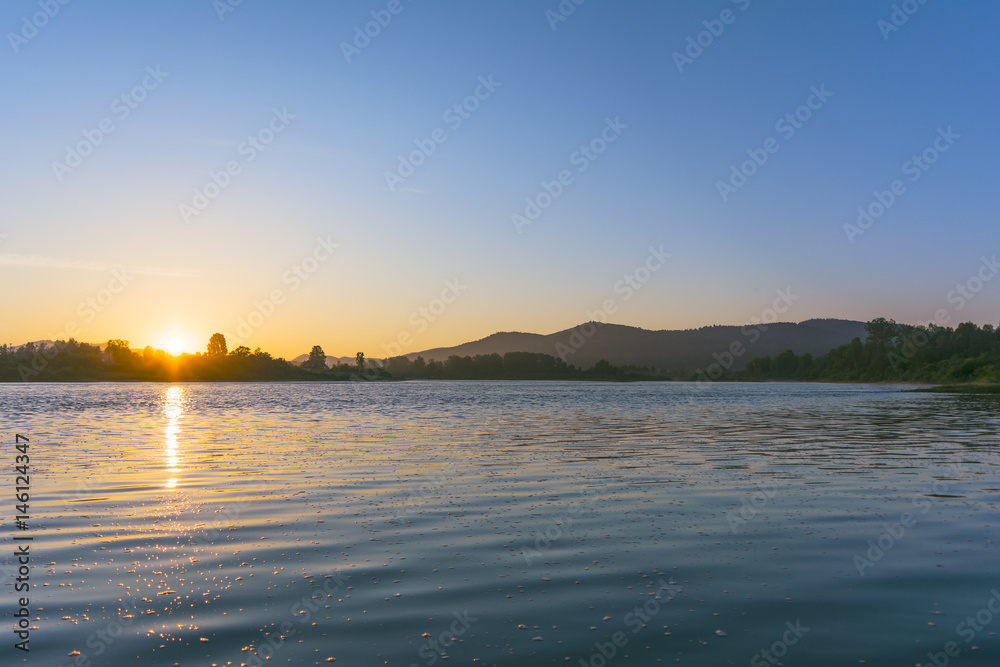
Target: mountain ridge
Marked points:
684	350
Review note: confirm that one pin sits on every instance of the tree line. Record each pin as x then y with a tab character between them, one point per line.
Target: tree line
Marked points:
74	361
893	352
513	366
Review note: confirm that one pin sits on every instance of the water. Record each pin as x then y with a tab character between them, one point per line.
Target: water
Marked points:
506	523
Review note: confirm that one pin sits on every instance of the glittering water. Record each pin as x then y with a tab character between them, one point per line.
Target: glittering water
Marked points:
507	523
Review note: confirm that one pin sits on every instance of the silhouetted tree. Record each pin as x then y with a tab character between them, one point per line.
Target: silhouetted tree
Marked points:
419	365
603	368
119	351
360	360
316	360
217	345
398	365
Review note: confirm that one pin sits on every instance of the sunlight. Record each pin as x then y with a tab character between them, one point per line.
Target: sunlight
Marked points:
173	410
175	346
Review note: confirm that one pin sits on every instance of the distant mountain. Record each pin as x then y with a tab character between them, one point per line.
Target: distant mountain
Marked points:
686	350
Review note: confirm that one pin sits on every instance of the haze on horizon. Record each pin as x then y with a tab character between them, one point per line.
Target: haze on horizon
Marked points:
170	169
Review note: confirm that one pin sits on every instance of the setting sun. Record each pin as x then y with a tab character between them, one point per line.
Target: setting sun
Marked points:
175	346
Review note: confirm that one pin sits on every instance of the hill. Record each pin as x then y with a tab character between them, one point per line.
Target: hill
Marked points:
679	350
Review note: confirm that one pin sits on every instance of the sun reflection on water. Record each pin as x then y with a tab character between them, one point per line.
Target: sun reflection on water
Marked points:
173	411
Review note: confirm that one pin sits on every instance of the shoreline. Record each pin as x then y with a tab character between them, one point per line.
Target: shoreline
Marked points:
918	386
971	388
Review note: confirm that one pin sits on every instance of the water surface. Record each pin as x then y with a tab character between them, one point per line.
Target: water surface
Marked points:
508	523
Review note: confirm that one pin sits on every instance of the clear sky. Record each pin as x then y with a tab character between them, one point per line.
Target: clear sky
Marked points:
310	115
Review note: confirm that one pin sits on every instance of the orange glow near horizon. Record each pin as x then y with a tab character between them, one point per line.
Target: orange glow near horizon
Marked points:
175	346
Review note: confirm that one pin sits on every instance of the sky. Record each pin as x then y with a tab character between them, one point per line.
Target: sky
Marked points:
393	176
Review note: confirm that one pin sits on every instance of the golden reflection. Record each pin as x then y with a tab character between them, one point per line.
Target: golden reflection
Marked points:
173	411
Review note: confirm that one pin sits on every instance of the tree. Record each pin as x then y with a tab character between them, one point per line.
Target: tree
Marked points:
119	351
360	359
881	332
786	364
217	345
241	352
419	365
397	365
316	360
603	368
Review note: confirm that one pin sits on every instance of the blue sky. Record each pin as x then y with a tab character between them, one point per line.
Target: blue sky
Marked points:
347	122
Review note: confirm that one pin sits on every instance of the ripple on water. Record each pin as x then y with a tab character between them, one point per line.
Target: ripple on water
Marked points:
506	522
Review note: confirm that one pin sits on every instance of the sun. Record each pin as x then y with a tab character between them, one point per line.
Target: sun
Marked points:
175	346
